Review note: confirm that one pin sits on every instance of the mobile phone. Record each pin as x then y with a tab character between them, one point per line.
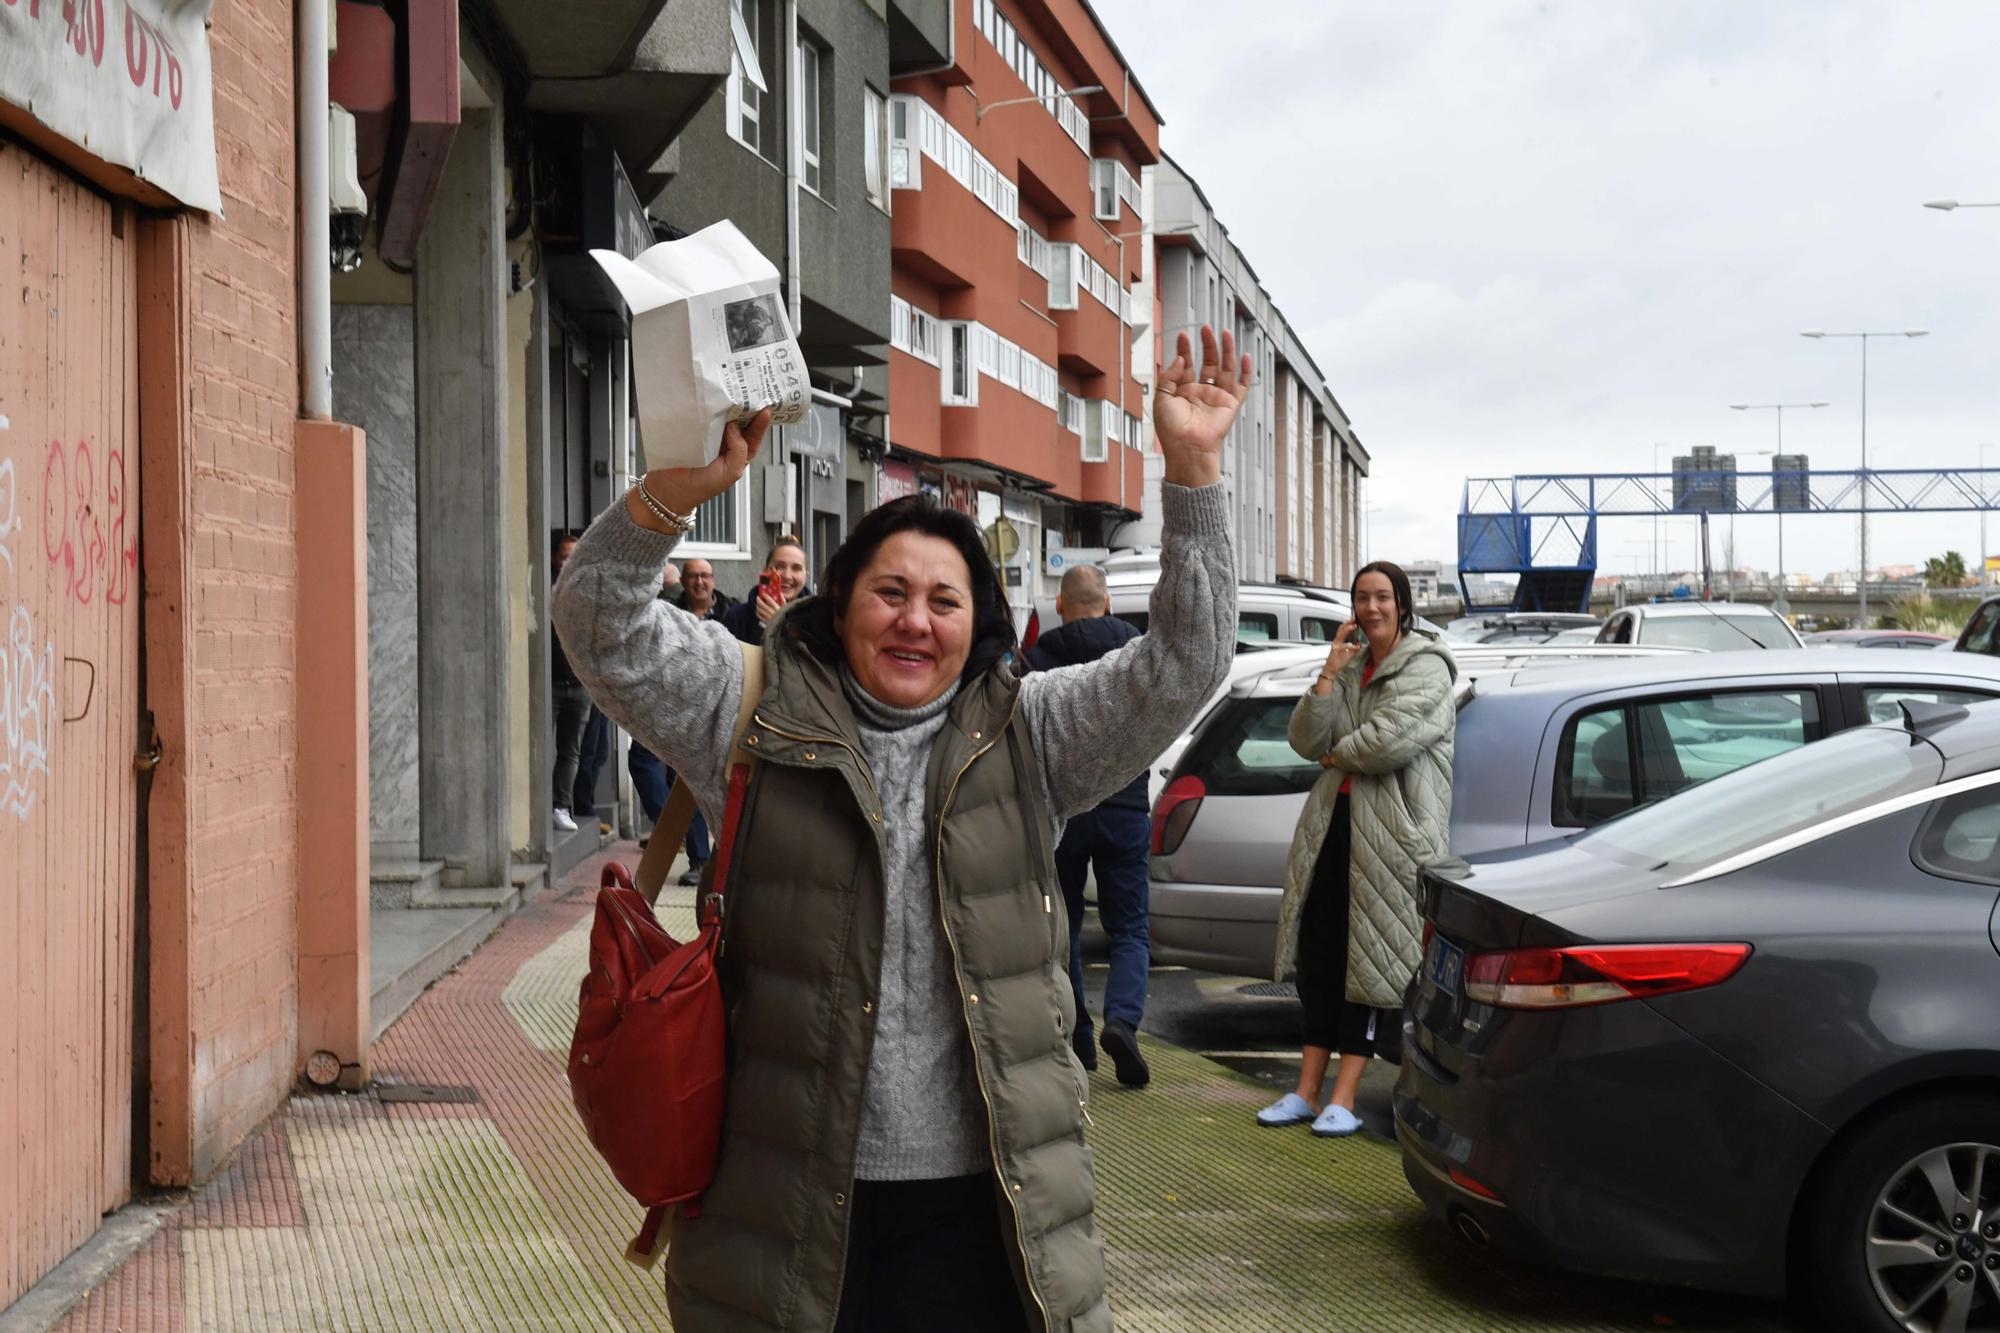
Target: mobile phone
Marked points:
768	585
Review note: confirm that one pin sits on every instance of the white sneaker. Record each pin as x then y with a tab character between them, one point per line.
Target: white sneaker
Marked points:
563	821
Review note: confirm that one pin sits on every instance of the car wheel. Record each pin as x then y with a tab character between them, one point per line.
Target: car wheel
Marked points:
1903	1232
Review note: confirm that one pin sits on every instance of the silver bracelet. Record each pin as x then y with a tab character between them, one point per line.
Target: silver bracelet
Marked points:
675	522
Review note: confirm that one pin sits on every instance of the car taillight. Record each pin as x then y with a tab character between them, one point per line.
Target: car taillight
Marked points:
1597	973
1032	632
1174	812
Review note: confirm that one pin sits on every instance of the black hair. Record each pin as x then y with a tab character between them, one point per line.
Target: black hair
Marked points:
1399	584
814	625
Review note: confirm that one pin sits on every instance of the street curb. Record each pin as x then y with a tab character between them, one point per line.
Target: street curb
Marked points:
45	1304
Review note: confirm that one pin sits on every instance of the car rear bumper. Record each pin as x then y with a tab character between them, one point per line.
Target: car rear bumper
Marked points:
1227	928
1615	1144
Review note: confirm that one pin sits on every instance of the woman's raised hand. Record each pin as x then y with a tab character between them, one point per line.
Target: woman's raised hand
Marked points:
1193	408
683	489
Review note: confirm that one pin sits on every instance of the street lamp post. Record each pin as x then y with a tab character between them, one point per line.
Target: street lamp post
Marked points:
1045	99
1656	507
1864	336
1984	492
1781	606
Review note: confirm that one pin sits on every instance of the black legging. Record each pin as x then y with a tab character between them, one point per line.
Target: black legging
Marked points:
1332	1021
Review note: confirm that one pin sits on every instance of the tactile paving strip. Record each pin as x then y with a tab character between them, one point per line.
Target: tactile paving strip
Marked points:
345	1213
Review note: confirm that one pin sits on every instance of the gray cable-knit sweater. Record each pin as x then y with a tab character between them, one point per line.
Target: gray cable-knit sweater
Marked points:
674	683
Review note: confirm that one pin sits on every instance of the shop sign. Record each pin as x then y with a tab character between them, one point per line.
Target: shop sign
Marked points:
961	495
893	481
125	80
1060	558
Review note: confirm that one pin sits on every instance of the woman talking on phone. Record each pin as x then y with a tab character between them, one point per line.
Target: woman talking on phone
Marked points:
1379	720
903	1137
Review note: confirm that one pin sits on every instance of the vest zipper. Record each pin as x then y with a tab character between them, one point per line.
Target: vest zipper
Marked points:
847	1212
859	762
979	1076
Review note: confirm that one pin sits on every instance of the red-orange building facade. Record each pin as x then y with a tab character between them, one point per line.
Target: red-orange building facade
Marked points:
1018	240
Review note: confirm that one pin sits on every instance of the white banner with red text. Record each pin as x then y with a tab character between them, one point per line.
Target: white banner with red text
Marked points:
125	80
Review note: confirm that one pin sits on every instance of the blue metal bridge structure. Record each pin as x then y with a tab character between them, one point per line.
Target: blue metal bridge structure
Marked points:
1543	528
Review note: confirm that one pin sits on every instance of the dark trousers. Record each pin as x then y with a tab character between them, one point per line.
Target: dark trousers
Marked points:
928	1255
1113	841
573	710
654	781
595	752
1332	1021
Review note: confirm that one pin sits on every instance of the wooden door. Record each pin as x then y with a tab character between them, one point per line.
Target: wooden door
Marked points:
69	700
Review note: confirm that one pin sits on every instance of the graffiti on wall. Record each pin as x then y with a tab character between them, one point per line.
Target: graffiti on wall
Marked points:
27	683
74	524
27	712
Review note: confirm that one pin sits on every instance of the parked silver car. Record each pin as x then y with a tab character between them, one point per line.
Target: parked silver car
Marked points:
1265	612
1717	627
1541	752
1279	661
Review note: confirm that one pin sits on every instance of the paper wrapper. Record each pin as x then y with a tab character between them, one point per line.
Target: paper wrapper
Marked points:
710	342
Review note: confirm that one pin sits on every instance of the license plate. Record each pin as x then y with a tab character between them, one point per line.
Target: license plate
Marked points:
1444	964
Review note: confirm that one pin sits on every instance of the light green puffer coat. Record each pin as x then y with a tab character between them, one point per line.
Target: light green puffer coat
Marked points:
1394	740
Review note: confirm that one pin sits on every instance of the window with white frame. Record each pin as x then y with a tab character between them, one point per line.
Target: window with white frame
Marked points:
1096	449
1063	262
745	95
915	123
810	67
721	528
1104	190
1033	248
912	330
1038	379
1069	411
960	373
1111	184
875	147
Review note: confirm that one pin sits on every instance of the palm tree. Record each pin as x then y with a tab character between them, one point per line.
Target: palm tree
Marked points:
1945	571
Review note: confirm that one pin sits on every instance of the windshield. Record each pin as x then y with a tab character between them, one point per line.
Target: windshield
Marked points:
1770	799
1718	633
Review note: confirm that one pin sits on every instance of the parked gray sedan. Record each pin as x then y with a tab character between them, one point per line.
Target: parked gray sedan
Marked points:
1743	1039
1541	753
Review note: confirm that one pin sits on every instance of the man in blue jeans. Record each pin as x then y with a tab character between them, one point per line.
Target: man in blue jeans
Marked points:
1112	840
651	778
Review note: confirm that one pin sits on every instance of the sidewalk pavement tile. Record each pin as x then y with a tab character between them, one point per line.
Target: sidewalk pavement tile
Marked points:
350	1213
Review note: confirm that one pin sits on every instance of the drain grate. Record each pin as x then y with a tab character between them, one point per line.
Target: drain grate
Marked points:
431	1093
1270	990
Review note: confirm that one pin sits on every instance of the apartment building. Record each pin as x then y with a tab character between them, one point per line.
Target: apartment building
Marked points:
1018	236
1293	463
795	153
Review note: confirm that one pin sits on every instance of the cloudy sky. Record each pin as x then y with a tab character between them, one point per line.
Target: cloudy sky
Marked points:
1524	237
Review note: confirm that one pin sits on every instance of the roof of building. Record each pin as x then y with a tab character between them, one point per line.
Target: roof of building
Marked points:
1112	42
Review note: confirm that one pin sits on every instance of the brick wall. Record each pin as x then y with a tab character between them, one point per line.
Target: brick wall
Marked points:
243	398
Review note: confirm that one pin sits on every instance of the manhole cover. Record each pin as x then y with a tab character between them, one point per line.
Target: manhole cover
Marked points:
1269	990
425	1092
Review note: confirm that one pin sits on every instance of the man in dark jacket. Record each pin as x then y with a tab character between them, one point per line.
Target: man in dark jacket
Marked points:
693	591
1112	839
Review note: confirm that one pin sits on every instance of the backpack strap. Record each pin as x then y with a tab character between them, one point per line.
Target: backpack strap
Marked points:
668	834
